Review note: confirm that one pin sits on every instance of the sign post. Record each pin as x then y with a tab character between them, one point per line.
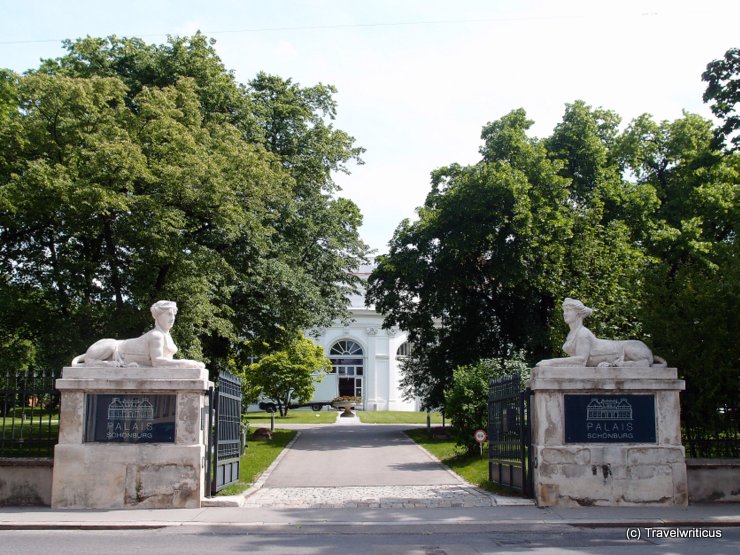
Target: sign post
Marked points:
480	437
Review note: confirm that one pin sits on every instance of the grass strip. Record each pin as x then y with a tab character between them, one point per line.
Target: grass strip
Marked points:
257	458
472	467
262	418
397	417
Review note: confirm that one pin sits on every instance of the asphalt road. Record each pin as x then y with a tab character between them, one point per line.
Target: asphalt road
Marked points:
358	540
357	455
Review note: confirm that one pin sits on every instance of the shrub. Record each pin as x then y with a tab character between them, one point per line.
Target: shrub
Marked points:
466	401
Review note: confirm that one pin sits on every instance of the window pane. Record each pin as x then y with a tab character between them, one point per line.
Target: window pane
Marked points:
346	386
358	370
346	361
346	347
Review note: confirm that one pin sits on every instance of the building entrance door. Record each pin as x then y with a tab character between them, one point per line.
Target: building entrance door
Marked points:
350	380
348	363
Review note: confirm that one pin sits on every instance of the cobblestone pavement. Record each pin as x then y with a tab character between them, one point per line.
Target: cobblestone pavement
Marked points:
375	497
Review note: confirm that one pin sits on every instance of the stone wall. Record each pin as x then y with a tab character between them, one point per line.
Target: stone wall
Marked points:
713	480
622	472
25	482
97	474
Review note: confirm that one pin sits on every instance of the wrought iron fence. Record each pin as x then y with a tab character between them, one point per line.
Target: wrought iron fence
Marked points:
715	436
29	405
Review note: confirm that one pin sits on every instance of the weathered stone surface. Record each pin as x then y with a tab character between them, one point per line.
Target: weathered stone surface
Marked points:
669	418
162	485
653	483
116	475
590	372
548	418
123	374
713	480
188	418
576	455
648	471
25	482
606	474
654	455
71	417
132	476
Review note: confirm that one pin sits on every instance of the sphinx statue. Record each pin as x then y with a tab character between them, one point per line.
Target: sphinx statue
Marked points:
585	349
154	348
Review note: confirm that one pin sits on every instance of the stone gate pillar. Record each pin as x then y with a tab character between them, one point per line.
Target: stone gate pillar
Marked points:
131	438
607	436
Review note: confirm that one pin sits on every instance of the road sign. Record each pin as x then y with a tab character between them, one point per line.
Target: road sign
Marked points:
480	436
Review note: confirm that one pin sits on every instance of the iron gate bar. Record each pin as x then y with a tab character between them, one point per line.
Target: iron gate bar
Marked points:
209	448
509	434
527	458
226	431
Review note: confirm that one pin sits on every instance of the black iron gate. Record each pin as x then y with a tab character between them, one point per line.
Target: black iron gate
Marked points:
509	434
225	441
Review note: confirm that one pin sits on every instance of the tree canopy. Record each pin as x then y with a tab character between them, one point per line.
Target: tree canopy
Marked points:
289	373
499	243
640	224
723	94
134	172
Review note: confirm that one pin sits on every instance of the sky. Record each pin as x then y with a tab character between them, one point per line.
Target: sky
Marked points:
418	79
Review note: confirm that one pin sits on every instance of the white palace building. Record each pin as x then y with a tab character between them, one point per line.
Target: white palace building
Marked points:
365	358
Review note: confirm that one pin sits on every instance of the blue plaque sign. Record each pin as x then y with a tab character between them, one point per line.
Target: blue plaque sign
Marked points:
610	419
126	418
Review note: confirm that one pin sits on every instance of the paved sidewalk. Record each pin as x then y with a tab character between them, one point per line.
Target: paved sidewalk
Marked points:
298	492
350	520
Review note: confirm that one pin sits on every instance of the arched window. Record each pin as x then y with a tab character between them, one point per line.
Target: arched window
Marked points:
345	347
348	362
404	350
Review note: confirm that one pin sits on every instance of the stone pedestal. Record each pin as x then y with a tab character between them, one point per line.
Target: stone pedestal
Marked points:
131	438
607	437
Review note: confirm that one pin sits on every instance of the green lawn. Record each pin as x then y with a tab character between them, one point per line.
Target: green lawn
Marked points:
294	417
36	412
24	438
473	468
258	456
397	417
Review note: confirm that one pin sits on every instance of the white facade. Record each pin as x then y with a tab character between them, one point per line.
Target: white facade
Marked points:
365	359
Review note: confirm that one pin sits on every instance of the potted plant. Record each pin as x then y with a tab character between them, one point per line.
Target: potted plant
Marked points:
346	402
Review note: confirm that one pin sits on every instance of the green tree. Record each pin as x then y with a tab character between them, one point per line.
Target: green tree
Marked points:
106	210
499	244
133	172
723	94
301	275
466	399
691	290
289	373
